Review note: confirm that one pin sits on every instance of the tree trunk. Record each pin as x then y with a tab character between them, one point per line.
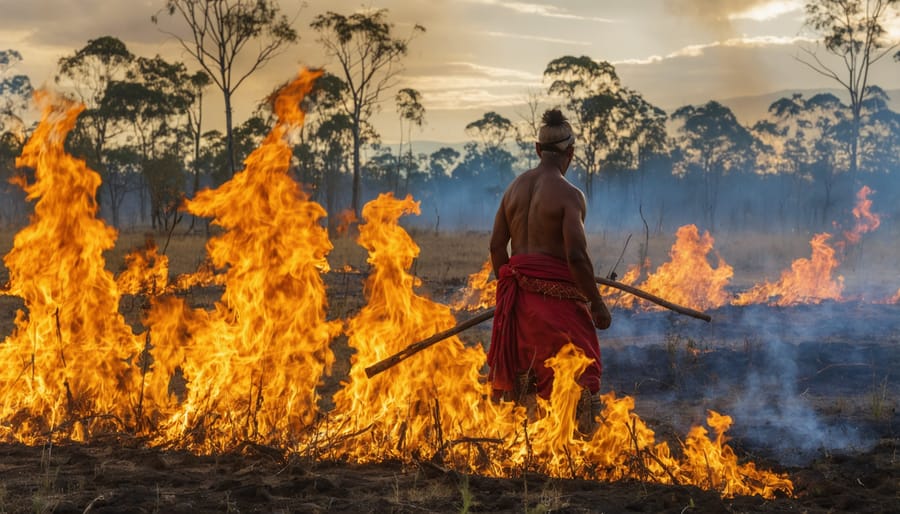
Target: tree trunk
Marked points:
356	169
229	134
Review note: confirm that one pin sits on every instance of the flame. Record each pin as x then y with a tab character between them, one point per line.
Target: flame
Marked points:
69	366
480	291
249	368
251	365
687	278
437	391
808	280
146	271
345	219
865	220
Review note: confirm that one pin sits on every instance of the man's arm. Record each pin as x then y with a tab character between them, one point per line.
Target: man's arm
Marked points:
579	261
500	239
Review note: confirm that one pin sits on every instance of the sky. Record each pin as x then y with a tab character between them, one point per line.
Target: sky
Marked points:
481	55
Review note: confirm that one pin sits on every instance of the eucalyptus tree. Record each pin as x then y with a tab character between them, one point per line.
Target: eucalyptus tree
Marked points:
412	114
493	132
369	55
601	107
221	33
153	101
15	94
712	143
879	141
86	75
854	31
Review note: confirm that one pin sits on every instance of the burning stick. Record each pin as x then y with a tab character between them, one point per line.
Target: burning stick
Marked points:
415	348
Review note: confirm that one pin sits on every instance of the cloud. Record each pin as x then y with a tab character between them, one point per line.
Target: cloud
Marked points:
740	42
538	38
473	85
767	10
548	11
724	11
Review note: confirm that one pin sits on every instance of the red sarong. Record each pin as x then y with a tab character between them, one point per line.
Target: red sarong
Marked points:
539	309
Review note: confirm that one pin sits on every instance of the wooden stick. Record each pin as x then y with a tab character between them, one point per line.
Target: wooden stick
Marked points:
417	347
653	298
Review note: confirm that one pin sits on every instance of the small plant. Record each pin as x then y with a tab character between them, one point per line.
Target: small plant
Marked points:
878	400
468	499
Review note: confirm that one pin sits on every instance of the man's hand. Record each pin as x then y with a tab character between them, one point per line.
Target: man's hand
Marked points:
600	315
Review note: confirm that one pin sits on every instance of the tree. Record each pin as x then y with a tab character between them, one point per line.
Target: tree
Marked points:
15	93
493	130
88	73
153	100
711	142
369	56
221	31
852	30
592	92
411	111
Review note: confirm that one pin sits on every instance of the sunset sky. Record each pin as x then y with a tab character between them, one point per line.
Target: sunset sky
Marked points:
481	55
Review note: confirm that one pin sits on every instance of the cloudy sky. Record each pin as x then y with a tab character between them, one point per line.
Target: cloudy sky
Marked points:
481	55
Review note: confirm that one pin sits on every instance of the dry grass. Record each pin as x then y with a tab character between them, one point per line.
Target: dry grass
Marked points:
448	258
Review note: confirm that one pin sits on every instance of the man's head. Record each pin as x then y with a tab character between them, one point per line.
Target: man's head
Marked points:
556	140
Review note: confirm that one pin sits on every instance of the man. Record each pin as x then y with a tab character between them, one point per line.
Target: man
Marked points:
546	293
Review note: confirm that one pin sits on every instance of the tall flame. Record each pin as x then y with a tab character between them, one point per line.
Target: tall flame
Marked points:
70	365
252	365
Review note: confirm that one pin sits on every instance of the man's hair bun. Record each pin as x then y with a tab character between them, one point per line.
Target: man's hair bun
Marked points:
553	118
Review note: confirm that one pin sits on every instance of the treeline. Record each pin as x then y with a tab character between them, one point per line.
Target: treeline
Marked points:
798	168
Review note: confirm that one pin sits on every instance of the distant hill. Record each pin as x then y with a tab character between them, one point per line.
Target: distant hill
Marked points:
750	109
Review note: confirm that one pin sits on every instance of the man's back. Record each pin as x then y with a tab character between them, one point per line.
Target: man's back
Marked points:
535	205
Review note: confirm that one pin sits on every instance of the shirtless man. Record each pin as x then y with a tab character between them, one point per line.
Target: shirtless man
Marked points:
546	294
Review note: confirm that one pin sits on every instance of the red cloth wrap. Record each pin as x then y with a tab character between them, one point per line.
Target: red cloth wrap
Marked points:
531	326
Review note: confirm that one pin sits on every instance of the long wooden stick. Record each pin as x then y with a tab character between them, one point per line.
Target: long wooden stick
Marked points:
417	347
653	298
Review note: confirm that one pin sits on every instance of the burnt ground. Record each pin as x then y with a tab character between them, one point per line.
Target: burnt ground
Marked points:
813	391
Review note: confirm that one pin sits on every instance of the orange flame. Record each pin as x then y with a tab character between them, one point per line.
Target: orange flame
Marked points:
866	221
146	271
808	280
251	366
345	219
69	366
688	278
480	291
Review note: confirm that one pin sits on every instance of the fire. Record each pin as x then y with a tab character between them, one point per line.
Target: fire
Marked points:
865	220
71	366
434	398
146	271
480	291
808	280
345	219
249	368
687	278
